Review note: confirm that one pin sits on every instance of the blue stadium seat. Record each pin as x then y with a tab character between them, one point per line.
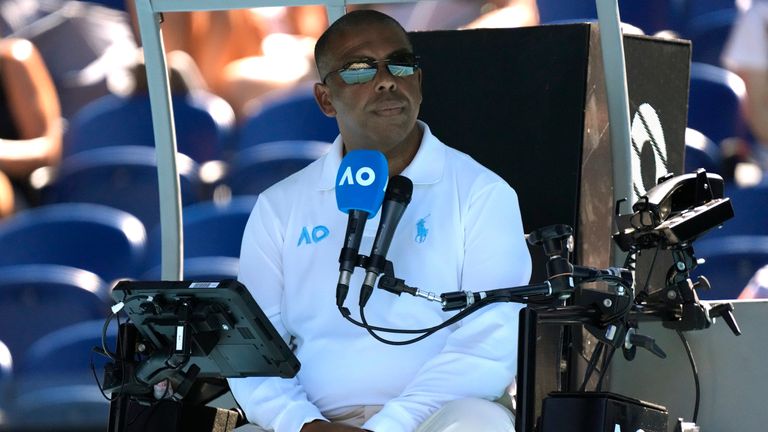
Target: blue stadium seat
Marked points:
64	356
55	377
708	34
210	229
255	169
730	262
696	8
6	378
203	122
37	299
123	177
650	16
106	241
79	407
289	116
204	268
714	102
559	10
701	152
750	208
104	45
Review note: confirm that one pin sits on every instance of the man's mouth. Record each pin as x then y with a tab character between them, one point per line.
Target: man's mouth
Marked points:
389	108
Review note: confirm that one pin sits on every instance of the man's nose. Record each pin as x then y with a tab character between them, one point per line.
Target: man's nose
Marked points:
385	81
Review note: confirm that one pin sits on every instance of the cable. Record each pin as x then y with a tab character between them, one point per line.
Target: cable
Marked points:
426	331
96	377
104	330
653	261
591	366
695	371
387	341
604	367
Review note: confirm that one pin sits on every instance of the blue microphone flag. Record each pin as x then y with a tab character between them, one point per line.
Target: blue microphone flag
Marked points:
361	181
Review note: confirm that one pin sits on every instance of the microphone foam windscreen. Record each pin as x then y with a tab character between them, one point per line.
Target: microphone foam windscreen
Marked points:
361	181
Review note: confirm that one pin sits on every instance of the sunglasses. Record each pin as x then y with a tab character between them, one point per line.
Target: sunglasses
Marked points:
363	71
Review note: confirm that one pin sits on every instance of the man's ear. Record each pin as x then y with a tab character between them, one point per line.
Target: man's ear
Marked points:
323	98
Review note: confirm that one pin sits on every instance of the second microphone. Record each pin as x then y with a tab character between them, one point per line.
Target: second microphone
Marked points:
396	199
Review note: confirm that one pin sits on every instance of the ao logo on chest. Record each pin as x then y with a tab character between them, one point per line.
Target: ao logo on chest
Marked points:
364	176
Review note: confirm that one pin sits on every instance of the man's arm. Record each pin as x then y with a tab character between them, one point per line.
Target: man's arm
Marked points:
756	101
746	54
35	107
479	359
276	403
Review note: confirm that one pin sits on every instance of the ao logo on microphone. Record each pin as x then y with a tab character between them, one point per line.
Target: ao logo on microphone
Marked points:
365	176
361	180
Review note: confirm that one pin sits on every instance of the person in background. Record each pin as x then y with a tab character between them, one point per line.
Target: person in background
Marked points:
757	288
746	54
462	230
245	54
507	13
460	14
30	119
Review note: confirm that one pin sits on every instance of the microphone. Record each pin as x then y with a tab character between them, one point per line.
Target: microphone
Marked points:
360	185
396	199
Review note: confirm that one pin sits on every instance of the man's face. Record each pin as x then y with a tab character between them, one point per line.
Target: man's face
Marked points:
379	114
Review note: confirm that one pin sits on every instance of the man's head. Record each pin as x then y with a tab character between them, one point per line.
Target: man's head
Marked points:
371	83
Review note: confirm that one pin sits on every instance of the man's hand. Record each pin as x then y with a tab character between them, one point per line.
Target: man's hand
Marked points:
325	426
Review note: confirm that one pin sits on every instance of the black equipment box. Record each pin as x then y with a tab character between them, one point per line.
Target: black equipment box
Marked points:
601	412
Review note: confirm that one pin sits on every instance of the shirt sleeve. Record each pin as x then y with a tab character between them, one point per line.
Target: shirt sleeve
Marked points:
276	403
479	358
747	45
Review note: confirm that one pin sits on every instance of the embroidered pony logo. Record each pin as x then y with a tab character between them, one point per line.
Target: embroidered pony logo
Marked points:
422	230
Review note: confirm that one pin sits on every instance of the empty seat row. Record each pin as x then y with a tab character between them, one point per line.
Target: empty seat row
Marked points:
112	244
204	123
126	177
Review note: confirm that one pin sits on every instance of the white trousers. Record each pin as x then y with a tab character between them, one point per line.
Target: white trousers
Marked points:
461	415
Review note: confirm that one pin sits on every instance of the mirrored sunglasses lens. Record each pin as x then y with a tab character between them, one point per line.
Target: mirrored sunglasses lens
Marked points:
358	76
400	70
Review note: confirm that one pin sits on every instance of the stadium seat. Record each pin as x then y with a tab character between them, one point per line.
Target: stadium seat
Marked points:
290	116
708	34
106	241
210	229
696	8
6	378
558	10
123	177
205	268
650	16
55	378
78	407
37	299
104	45
64	356
714	104
729	264
203	122
255	169
750	208
701	152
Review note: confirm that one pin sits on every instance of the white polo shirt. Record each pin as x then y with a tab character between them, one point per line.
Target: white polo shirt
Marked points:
462	230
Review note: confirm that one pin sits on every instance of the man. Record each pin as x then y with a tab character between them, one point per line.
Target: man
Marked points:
462	230
746	54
